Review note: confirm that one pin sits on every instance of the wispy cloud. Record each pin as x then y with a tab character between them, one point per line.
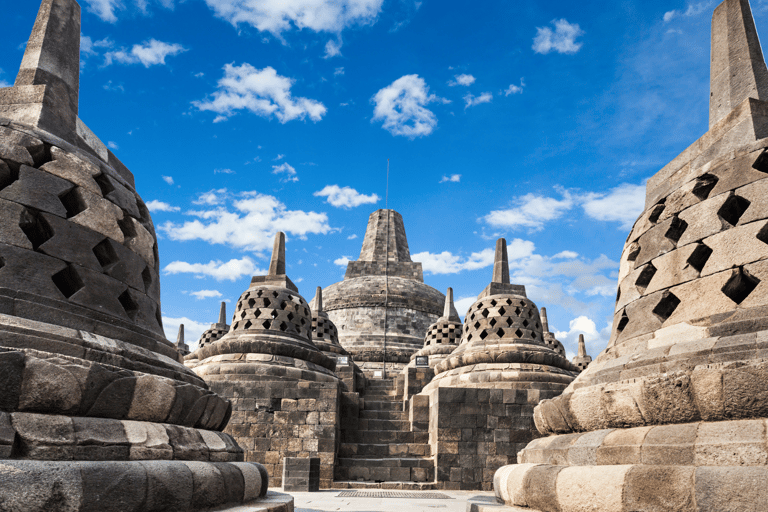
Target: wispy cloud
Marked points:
206	294
449	263
160	206
168	179
472	100
465	80
343	261
345	197
560	40
515	89
453	178
693	9
150	53
231	270
286	170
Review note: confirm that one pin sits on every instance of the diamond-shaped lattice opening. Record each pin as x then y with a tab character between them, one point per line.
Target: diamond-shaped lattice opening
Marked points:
525	323
733	208
274	313
275	294
251	303
472	316
242	315
259	293
267	302
633	251
510	321
35	227
247	324
106	254
289	316
699	257
666	306
704	185
644	279
676	229
127	227
502	311
283	326
302	321
493	302
492	322
517	311
104	184
519	333
477	325
483	334
283	304
73	202
146	277
740	285
67	281
266	324
129	305
485	313
623	321
500	332
656	213
469	337
761	163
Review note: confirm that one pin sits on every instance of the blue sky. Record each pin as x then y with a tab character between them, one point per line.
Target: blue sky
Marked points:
536	121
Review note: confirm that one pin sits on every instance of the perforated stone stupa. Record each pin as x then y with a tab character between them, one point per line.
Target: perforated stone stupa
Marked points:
96	410
443	336
382	308
672	414
549	337
582	359
216	330
283	388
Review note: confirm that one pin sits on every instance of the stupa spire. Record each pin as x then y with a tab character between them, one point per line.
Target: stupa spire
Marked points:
223	313
318	302
582	346
500	263
738	70
544	321
449	312
383	225
277	263
180	336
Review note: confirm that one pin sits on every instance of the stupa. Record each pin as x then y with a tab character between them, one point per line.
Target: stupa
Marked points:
549	337
181	345
672	414
443	336
96	410
284	391
382	308
582	359
216	330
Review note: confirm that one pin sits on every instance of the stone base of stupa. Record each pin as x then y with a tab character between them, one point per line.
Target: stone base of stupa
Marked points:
702	466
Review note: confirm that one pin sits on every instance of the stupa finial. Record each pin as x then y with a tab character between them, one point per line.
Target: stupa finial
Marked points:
223	313
582	346
501	263
277	263
737	69
318	300
544	321
449	311
180	336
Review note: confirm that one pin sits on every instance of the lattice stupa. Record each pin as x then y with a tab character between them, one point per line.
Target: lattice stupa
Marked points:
443	336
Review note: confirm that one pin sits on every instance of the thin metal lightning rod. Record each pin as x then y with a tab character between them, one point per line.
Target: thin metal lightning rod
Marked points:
386	275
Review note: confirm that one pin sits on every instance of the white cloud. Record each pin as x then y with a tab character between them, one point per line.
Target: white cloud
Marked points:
569	255
453	178
401	105
280	156
515	89
448	263
113	145
692	10
168	179
152	52
352	236
343	261
531	211
106	9
192	330
345	197
262	92
594	339
621	204
463	304
232	270
206	294
332	49
472	100
465	80
561	40
223	171
287	170
250	225
338	71
160	206
278	16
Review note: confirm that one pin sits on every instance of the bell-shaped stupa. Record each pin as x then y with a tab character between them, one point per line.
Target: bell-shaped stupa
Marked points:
549	336
672	414
97	412
443	336
217	330
582	359
382	307
502	344
265	364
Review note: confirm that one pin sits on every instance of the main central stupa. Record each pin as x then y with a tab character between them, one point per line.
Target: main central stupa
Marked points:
382	308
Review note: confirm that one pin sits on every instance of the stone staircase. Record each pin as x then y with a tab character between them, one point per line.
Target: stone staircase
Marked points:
383	452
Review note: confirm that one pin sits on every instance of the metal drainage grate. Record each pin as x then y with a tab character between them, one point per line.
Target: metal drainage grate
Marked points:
394	494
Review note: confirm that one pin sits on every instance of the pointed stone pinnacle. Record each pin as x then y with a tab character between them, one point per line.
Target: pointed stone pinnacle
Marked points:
385	238
738	70
500	263
449	311
319	300
223	313
544	321
180	337
277	263
582	346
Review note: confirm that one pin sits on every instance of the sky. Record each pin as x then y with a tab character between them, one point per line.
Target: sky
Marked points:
539	122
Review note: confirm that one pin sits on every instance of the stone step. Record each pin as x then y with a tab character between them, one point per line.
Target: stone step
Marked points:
383	394
382	405
385	470
383	415
370	450
383	436
393	486
366	424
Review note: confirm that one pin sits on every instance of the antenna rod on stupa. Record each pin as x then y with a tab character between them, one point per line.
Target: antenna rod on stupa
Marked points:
277	263
544	321
500	263
582	346
180	336
223	313
737	69
319	300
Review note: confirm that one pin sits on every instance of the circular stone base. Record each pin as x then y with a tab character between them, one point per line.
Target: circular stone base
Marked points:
505	376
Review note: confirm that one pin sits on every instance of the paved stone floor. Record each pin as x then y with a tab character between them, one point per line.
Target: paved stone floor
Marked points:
328	501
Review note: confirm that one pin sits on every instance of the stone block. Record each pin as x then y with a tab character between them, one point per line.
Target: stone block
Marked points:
44	436
113	487
170	486
731	443
731	489
41	485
